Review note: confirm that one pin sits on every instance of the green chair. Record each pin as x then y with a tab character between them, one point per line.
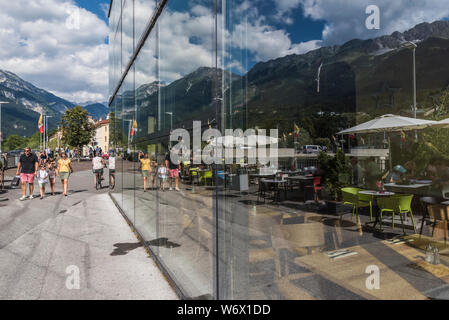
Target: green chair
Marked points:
397	204
194	175
353	197
205	176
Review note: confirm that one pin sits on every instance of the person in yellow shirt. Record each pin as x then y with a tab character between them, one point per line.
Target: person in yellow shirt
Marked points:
63	171
145	164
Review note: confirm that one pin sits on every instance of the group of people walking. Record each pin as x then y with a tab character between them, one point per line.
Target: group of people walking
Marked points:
45	170
162	171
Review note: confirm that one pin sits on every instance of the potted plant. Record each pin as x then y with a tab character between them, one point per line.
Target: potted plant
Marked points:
336	173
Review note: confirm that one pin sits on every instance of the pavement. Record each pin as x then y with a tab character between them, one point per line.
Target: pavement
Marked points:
75	247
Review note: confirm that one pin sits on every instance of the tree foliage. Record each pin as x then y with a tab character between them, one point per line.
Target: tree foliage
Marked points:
115	131
77	131
333	171
14	142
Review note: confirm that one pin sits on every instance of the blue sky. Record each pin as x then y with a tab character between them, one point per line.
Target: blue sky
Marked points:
41	45
96	6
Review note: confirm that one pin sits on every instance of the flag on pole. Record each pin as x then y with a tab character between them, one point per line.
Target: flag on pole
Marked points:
134	128
296	129
41	125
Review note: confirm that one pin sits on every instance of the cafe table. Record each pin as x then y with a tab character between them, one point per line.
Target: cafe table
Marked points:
375	195
403	272
302	180
259	176
421	188
278	183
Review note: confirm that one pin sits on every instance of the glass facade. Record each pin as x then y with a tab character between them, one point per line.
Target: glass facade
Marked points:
258	163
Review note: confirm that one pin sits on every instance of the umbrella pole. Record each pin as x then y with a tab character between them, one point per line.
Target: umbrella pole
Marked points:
389	154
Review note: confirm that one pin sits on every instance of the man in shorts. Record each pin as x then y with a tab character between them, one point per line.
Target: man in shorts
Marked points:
97	167
27	167
173	169
111	165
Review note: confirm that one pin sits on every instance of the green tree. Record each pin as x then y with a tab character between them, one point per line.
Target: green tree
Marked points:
34	140
442	107
334	169
77	131
115	131
14	142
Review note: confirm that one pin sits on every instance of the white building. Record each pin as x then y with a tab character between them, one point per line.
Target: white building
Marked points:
101	137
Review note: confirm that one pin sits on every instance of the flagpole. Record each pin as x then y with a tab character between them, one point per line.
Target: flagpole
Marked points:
45	131
129	133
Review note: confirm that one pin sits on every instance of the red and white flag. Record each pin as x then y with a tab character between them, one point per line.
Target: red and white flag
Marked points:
41	125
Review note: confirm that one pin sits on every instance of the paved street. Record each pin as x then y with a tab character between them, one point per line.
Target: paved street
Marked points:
44	243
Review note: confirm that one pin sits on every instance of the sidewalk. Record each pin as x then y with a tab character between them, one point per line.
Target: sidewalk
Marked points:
44	243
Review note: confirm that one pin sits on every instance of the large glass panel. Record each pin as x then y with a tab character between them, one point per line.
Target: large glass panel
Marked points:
311	69
127	32
326	206
115	15
188	85
116	138
130	156
146	97
143	12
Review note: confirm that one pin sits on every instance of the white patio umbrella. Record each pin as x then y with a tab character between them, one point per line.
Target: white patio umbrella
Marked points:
251	140
389	123
442	124
227	141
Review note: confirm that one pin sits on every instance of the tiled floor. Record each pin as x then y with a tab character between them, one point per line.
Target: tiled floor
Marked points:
247	259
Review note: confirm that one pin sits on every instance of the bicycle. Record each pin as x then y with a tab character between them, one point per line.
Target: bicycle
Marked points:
98	184
111	185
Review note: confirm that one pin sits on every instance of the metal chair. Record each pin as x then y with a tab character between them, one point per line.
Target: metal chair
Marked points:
440	214
397	204
351	196
294	237
264	188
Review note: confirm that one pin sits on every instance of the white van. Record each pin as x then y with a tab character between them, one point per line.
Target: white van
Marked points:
311	149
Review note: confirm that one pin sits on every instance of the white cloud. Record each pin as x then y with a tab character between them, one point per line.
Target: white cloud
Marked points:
345	19
267	42
43	45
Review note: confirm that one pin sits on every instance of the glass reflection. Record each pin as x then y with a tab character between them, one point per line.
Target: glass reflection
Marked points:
338	200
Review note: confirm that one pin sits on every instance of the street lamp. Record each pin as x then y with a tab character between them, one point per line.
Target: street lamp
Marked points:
412	46
1	133
129	131
171	120
171	123
46	130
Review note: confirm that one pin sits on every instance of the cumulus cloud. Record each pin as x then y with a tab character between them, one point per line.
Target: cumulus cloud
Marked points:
345	19
57	46
267	42
284	8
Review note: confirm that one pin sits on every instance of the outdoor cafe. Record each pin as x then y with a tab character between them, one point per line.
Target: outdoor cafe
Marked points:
332	220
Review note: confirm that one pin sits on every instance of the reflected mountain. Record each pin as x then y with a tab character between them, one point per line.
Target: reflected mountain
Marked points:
372	76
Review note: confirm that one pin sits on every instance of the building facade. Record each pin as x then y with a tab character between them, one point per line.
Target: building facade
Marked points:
184	72
101	138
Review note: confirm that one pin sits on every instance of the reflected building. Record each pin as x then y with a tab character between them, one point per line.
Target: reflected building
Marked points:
228	233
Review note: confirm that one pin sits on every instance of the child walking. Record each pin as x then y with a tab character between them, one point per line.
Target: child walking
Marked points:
162	173
42	176
51	170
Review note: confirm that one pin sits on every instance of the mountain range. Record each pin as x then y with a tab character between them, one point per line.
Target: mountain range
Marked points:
371	76
26	102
